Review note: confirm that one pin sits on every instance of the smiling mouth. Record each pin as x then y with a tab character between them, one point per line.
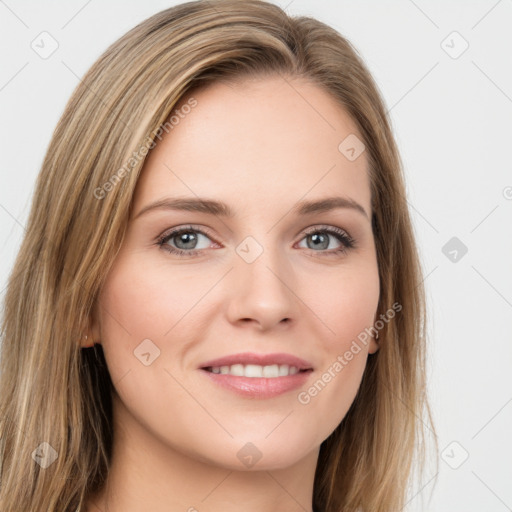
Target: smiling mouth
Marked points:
256	371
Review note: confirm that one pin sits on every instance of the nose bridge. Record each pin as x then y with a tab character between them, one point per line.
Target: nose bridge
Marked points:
262	288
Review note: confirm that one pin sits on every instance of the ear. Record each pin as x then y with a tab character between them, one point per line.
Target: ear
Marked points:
374	343
95	323
91	335
373	346
86	341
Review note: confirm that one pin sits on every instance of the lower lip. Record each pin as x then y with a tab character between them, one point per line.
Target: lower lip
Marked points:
259	387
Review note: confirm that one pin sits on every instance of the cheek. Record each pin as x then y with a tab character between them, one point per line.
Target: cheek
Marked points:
140	301
136	305
345	301
143	309
347	312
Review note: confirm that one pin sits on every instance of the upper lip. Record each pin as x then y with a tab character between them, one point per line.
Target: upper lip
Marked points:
259	359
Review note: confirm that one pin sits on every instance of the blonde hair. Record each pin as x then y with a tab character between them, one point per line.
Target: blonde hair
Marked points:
53	391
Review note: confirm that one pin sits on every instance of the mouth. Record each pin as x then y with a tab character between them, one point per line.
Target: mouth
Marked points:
258	375
250	364
252	371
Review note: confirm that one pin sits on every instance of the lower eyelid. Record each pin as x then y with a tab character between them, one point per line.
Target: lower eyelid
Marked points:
342	237
163	241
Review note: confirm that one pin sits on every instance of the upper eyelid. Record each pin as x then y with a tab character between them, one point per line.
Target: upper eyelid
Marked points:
175	231
171	232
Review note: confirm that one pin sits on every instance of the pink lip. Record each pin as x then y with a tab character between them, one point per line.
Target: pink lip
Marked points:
259	359
258	387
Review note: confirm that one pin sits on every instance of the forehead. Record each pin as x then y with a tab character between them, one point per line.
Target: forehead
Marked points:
258	142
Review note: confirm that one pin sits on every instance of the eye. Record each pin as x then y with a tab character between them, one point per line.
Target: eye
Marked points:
320	239
184	240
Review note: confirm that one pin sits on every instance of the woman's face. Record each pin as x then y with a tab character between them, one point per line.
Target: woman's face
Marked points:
276	277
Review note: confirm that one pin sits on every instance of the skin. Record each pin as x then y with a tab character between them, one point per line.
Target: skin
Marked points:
260	146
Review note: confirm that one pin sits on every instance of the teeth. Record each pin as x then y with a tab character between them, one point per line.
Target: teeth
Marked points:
255	370
270	371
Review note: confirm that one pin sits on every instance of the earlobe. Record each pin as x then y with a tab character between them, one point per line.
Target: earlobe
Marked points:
86	341
95	328
91	337
374	344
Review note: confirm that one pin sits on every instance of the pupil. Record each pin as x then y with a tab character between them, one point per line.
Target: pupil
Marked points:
317	238
183	238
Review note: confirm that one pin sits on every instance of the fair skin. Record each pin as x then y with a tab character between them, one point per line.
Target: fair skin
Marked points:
260	147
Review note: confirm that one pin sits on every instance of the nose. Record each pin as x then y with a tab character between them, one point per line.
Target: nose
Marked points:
261	292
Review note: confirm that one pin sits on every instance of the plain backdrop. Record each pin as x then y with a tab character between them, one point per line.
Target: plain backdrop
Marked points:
444	69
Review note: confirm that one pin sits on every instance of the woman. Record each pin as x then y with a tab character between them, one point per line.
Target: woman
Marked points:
218	301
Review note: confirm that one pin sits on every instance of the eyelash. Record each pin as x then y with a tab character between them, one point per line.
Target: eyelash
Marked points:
347	241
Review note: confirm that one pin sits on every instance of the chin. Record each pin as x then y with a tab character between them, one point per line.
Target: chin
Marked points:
264	454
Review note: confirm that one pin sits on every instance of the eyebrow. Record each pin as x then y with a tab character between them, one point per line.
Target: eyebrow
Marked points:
218	208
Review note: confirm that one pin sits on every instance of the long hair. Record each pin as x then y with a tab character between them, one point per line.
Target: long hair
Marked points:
55	397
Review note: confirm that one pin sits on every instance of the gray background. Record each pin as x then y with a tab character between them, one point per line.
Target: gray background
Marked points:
451	110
